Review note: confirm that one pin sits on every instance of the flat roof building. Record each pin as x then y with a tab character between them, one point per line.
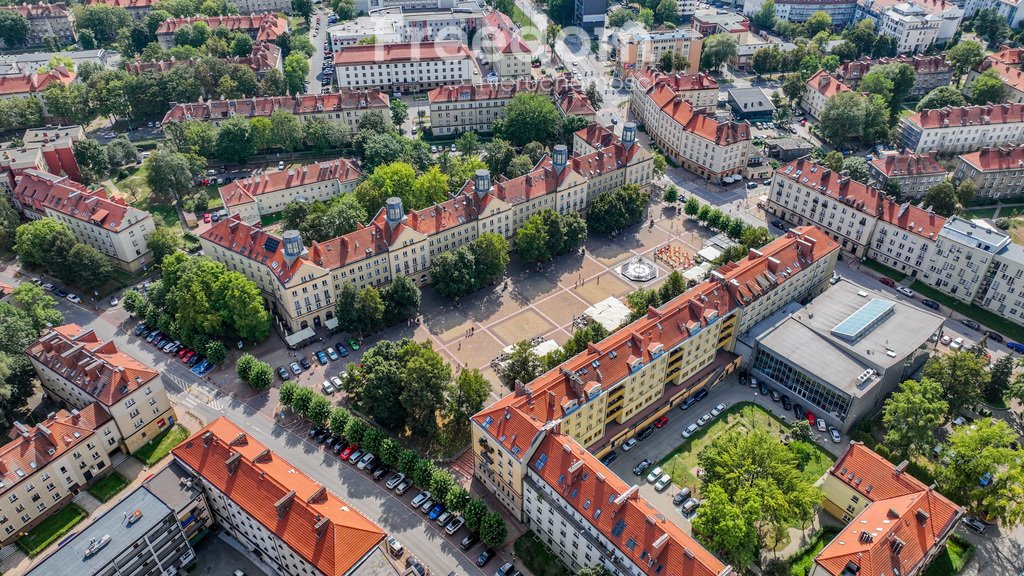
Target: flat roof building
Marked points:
751	104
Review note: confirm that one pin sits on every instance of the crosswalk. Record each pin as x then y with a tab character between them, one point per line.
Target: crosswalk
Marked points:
197	394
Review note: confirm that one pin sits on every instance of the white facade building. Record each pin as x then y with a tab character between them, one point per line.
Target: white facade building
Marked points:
963	129
404	67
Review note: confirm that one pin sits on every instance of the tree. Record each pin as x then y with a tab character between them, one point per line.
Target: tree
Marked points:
13	28
671	195
493	530
345	307
431	188
857	167
965	191
70	103
302	8
726	528
833	161
286	394
764	18
717	50
983	468
498	153
942	199
593	94
92	158
666	62
399	111
468	144
355	429
818	22
570	125
521	365
596	569
878	84
103	21
490	256
321	134
519	166
667	11
532	240
319	221
216	353
296	69
302	399
121	152
457	499
941	97
530	117
673	286
991	25
169	174
999	379
766	60
40	310
793	87
407	462
369	310
234	141
831	62
133	302
962	376
454	272
988	88
475	512
692	206
90	269
911	417
963	58
467	396
337	421
640	300
244	366
619	18
395	179
262	377
35	239
401	298
617	210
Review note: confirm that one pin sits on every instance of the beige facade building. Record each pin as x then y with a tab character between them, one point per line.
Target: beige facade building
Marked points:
45	21
262	6
404	67
505	48
700	90
77	369
996	172
818	90
638	49
109	225
930	72
457	108
259	27
963	129
137	9
961	264
268	193
914	174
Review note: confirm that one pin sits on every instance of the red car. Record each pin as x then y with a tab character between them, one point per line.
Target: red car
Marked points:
344	454
660	422
887	281
188	356
206	218
810	417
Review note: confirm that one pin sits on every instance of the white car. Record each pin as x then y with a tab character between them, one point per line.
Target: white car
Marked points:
905	291
74	299
328	387
718	409
664	482
654	475
956	344
704	420
821	425
337	383
690	430
946	340
629	445
834	433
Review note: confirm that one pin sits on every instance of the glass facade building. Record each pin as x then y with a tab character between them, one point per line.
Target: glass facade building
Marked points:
816	394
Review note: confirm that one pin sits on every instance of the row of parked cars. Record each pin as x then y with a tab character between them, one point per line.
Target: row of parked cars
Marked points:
399	483
788	404
323	357
169	345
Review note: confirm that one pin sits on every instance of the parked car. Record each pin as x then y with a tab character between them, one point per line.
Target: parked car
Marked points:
395	547
834	433
416	566
642	467
704	419
971	324
454	525
822	427
645	432
485	557
609	457
887	281
342	351
395	480
74	299
469	541
348	451
661	422
786	404
974	524
444	517
687	403
690	506
328	388
331	353
957	343
718	409
282	372
810	417
356	455
663	483
420	498
905	291
629	444
1019	348
690	430
295	368
930	303
994	336
505	570
762	388
798	410
701	395
366	461
306	365
681	496
380	471
654	475
436	511
353	343
321	357
775	395
403	486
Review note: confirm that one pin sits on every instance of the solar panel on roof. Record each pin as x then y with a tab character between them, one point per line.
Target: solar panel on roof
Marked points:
864	320
271	244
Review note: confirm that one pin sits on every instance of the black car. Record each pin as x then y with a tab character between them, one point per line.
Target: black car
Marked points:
322	436
469	541
485	557
645	432
413	563
681	496
971	324
314	431
701	395
642	467
305	364
687	403
798	410
778	224
380	472
283	373
994	336
609	458
930	303
786	404
763	388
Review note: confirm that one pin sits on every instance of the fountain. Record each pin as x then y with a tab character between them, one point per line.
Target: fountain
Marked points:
639	269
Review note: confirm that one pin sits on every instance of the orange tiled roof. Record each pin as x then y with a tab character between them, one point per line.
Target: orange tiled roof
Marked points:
502	34
1008	55
35	83
247	189
42	190
640	532
825	84
98	368
598	135
992	159
310	519
1010	74
862	197
855	70
32	11
268	26
265	106
402	52
904	521
261	58
908	164
576	103
968	116
650	78
553	394
503	90
698	123
32	448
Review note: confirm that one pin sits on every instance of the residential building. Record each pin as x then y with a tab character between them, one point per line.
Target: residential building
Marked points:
896	524
692	138
34	84
842	354
961	263
798	11
930	72
1008	9
713	21
262	6
914	29
589	14
996	172
856	215
299	283
603	395
345	108
503	45
46	21
394	25
1010	74
43	466
293	524
947	16
457	108
259	27
818	90
27	63
119	231
638	49
373	5
786	149
137	9
263	194
646	90
47	149
576	103
77	369
914	174
404	67
962	129
139	532
1003	295
263	58
176	488
751	104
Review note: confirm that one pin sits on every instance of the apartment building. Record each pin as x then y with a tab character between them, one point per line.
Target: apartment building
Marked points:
138	535
137	9
1004	295
293	524
268	193
638	49
963	129
713	21
798	11
404	67
914	174
46	21
896	524
345	108
77	369
700	90
589	15
996	172
109	225
1008	9
690	136
945	19
862	219
43	466
930	72
28	62
34	84
373	5
504	47
457	108
263	58
961	263
602	396
1010	74
262	6
47	149
299	283
259	27
176	488
818	90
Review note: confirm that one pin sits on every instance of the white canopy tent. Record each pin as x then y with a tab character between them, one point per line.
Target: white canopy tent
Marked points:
708	254
297	338
610	313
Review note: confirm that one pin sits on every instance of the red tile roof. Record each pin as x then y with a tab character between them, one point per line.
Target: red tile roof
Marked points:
98	368
503	90
908	164
247	189
502	34
310	519
402	52
597	135
261	58
126	4
576	103
265	106
986	159
825	84
33	448
698	123
968	116
43	191
933	7
1008	55
268	26
651	77
35	83
32	11
1010	74
640	532
852	72
862	197
904	521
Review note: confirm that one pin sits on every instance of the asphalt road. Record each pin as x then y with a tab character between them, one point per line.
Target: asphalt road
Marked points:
316	61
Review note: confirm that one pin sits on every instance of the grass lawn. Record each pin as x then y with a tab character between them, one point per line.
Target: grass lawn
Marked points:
51	529
800	563
989	319
953	559
520	18
108	486
980	213
161	445
532	552
682	461
137	192
884	270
